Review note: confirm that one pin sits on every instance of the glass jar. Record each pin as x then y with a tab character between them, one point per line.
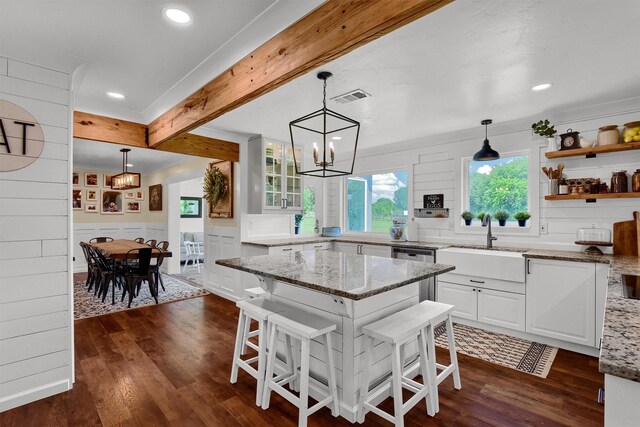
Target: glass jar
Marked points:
631	132
619	182
635	181
594	235
608	135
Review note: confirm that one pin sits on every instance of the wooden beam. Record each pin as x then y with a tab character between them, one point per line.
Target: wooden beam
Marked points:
108	129
196	145
330	31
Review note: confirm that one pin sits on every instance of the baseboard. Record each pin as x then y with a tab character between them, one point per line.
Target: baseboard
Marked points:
221	293
37	393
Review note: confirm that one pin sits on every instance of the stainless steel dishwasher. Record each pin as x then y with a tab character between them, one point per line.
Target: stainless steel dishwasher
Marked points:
428	286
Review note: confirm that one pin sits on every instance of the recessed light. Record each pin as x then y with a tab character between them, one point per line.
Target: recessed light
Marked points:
116	95
336	138
177	15
540	87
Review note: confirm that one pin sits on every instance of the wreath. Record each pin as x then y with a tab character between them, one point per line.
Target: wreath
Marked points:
215	185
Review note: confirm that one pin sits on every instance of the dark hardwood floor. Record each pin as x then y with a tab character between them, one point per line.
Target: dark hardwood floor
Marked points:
169	364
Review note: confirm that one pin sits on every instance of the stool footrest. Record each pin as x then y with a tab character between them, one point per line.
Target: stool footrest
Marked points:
444	374
293	399
387	416
245	365
252	345
319	405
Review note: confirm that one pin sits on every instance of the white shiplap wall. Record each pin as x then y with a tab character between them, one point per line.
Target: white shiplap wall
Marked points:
36	328
434	165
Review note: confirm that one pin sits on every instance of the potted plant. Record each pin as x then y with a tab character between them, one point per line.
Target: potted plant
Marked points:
480	216
543	129
522	217
298	220
467	216
502	217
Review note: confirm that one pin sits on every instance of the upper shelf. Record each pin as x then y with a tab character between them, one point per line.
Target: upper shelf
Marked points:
592	151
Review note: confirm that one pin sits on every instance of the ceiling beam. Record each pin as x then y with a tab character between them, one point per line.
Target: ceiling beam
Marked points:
332	30
115	131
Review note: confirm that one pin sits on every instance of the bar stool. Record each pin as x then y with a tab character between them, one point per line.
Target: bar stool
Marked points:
250	293
302	326
259	309
398	330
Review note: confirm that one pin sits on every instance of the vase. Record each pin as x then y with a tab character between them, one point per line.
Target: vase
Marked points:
552	145
522	222
502	222
467	222
297	229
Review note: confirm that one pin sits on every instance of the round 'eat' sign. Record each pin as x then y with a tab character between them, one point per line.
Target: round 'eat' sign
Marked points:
21	137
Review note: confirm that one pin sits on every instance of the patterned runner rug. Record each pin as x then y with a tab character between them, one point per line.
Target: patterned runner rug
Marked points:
88	305
515	353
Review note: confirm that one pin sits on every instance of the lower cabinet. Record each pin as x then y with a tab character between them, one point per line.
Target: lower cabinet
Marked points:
317	246
489	306
275	250
561	300
362	249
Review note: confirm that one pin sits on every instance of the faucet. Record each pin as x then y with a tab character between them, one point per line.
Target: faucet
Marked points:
486	221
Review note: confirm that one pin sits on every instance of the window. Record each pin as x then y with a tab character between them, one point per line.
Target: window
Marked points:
308	222
373	200
498	185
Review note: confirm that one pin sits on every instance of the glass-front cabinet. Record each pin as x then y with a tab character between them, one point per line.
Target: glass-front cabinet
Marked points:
282	187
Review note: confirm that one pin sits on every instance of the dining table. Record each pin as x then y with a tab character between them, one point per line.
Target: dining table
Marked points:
119	248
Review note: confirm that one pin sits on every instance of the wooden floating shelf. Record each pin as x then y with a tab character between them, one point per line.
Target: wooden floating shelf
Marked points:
592	151
593	197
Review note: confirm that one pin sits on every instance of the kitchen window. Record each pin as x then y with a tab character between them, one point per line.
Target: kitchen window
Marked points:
373	200
497	185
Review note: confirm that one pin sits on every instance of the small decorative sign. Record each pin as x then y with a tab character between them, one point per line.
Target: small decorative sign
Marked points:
21	137
433	201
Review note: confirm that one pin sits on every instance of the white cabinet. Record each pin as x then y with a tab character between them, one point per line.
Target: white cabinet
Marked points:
561	300
278	250
275	185
362	249
463	298
317	246
499	308
349	248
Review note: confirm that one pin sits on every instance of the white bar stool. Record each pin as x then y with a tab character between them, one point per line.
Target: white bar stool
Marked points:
397	330
302	326
259	309
250	293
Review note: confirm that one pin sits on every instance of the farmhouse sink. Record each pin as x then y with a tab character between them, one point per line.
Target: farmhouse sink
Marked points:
502	265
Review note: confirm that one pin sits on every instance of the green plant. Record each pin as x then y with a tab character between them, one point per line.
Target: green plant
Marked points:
522	215
502	215
215	185
466	215
298	219
542	128
480	216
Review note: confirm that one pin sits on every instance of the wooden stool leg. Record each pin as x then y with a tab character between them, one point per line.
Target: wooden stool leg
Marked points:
431	362
262	351
396	382
271	362
364	378
237	348
452	354
428	378
304	384
331	375
245	334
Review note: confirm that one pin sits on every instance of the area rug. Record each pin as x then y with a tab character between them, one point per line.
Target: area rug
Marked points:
515	353
88	305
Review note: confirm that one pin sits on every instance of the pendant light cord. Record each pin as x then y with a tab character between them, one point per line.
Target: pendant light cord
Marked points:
486	135
324	95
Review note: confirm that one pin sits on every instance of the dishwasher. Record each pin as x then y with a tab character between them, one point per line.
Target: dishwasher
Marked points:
427	287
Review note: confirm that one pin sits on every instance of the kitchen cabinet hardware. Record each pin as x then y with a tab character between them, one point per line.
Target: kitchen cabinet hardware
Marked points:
287	249
528	266
476	281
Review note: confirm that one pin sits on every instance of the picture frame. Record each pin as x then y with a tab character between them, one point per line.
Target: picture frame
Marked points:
92	196
76	178
106	181
155	197
133	206
130	195
91	207
112	203
76	200
190	207
90	179
224	206
140	195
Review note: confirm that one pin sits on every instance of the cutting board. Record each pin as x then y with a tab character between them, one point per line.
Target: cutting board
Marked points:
626	236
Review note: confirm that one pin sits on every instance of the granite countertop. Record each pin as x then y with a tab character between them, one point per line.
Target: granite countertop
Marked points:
346	239
346	275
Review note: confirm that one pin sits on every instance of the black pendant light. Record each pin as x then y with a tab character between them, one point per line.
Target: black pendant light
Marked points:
320	130
486	152
125	180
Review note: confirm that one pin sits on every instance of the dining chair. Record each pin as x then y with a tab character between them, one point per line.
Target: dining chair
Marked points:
193	253
92	268
152	243
106	274
156	263
163	245
101	240
137	272
139	240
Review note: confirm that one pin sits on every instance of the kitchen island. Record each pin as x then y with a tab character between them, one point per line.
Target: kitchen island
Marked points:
351	291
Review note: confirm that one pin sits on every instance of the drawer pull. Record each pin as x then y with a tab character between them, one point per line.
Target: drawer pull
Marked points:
318	246
287	250
476	281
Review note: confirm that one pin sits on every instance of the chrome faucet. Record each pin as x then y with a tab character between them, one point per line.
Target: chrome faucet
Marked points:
486	221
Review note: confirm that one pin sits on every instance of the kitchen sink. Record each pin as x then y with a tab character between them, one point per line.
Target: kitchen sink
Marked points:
495	264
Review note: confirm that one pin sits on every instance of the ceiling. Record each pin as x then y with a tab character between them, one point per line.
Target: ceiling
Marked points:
471	60
99	155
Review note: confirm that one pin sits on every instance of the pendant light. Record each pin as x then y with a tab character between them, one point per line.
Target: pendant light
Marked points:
325	132
486	152
125	180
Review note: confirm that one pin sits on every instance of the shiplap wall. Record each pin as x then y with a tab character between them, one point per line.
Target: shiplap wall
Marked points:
434	165
36	328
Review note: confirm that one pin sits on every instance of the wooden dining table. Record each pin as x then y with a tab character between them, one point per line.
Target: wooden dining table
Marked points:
118	249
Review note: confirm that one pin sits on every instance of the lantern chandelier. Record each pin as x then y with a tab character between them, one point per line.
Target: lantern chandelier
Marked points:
322	129
125	180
